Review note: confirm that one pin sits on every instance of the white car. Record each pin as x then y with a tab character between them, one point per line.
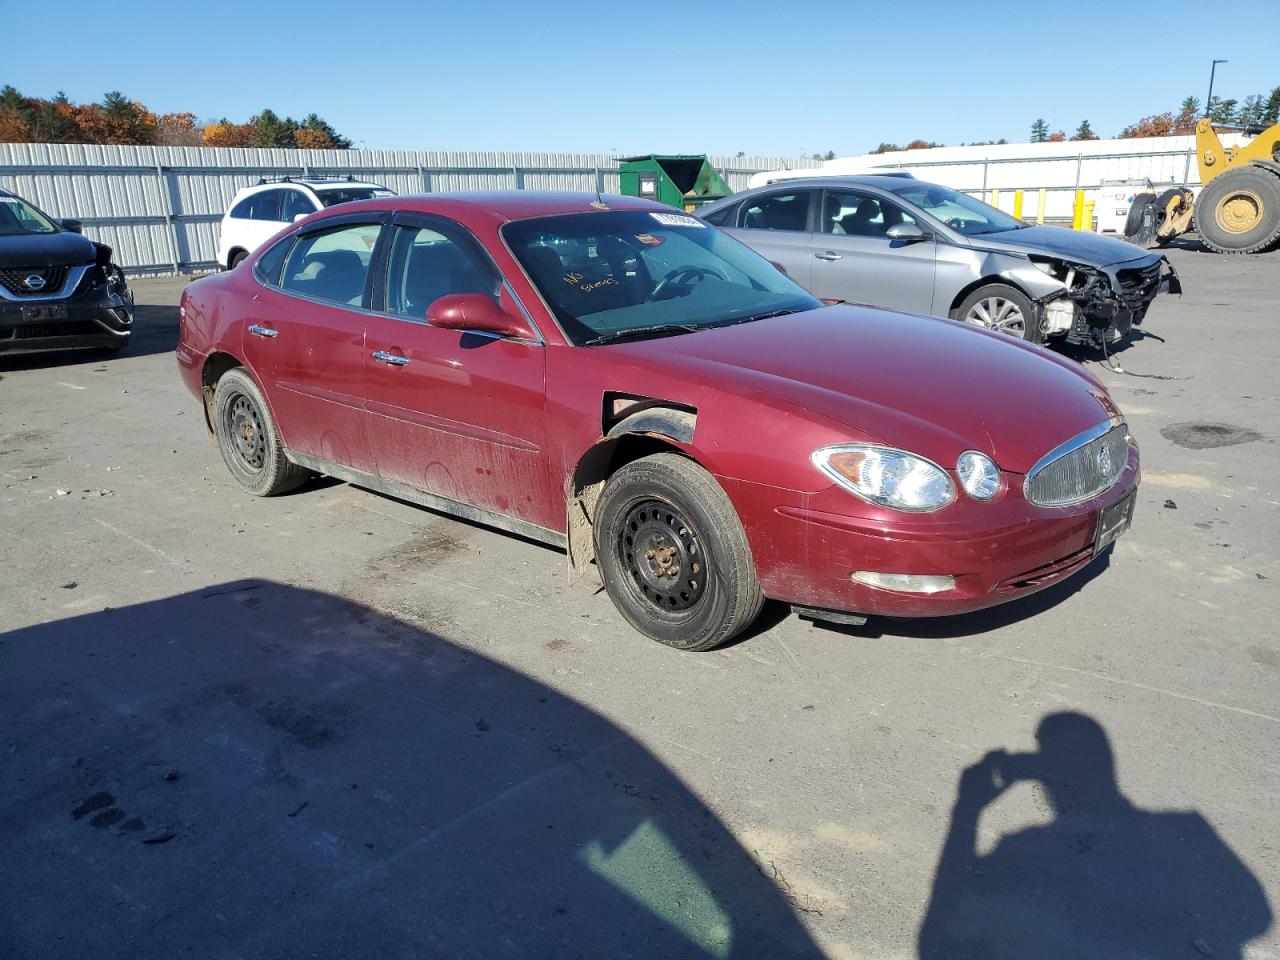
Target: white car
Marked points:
259	212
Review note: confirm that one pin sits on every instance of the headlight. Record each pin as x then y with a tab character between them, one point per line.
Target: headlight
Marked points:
978	474
887	477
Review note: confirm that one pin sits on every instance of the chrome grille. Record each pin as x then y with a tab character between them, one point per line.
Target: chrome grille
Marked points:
1081	468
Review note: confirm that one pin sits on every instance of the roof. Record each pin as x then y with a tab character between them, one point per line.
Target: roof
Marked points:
885	180
515	204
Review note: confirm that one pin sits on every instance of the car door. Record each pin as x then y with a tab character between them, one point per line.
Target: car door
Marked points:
304	337
853	259
776	225
457	414
265	218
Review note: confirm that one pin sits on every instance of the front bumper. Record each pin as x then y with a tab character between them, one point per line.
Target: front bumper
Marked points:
94	319
1114	300
806	547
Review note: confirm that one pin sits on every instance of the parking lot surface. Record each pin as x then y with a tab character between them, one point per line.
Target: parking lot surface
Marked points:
334	724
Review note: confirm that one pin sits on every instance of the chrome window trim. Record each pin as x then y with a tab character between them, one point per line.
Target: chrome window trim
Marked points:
74	276
1061	450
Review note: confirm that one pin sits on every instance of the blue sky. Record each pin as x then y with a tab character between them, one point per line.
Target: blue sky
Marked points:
769	78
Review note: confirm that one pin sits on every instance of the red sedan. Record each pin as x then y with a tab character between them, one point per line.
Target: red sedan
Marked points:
630	383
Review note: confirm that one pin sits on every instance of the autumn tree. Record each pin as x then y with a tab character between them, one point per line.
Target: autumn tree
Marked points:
1039	131
223	133
1188	114
313	122
177	130
1160	125
1084	132
1058	137
307	139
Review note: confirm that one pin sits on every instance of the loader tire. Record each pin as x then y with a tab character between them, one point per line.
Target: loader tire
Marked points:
1238	211
1140	227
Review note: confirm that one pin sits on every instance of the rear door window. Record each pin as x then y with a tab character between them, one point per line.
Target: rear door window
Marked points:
296	204
332	265
777	211
264	205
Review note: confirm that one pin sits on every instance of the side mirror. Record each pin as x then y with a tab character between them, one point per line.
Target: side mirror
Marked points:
75	226
905	233
477	313
780	268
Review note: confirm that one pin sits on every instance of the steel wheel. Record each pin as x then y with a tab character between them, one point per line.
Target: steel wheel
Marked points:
662	553
244	426
999	314
1240	211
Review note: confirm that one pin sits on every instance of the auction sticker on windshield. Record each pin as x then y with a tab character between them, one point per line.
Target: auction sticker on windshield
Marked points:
677	220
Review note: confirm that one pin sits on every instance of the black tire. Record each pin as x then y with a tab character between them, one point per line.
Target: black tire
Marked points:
989	301
673	555
248	440
1141	225
236	260
1239	211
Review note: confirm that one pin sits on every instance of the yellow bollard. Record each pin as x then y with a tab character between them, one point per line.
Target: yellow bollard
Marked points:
1077	210
995	199
1040	208
1087	223
1017	204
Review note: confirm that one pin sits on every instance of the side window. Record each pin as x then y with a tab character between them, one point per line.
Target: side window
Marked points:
331	264
860	215
426	264
269	264
722	217
242	210
777	211
296	204
266	205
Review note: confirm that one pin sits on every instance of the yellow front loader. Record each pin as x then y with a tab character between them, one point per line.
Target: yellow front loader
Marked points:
1238	209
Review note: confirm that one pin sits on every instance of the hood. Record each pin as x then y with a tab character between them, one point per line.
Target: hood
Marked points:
933	386
61	249
1081	246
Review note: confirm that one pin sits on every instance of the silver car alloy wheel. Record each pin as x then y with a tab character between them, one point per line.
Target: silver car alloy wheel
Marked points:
997	313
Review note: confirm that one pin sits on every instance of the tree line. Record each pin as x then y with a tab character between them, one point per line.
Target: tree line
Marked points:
119	120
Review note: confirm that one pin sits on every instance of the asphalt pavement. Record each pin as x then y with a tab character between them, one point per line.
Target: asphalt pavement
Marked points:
333	724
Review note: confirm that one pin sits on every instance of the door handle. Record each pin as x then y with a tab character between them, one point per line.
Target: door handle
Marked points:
261	331
392	358
828	255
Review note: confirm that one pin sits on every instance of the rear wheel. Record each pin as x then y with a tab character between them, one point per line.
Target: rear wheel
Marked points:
673	555
247	438
1238	211
1141	225
1000	307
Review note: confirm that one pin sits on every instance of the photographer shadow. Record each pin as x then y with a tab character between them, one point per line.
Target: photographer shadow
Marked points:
1104	879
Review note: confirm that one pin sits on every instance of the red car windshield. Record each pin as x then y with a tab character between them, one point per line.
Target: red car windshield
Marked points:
608	274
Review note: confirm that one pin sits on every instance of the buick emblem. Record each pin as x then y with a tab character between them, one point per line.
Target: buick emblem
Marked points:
1104	461
34	282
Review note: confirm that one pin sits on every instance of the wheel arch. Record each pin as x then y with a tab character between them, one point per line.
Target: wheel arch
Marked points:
656	428
983	282
215	365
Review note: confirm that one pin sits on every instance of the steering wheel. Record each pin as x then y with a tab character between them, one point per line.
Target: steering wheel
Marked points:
683	276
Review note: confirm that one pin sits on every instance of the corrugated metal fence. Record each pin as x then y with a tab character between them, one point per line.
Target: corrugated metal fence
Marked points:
159	207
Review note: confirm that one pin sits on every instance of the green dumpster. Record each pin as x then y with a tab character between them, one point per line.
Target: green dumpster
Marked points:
686	182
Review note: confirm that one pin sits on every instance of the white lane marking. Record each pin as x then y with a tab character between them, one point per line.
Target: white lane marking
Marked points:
142	543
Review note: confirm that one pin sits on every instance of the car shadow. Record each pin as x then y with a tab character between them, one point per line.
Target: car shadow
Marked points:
981	621
1102	878
258	770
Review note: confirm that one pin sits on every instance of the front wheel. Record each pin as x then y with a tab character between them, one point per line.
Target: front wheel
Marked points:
1000	307
673	555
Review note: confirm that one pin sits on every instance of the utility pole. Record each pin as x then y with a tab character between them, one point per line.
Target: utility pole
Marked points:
1208	101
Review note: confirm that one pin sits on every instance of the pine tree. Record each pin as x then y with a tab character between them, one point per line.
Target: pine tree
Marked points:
313	122
1084	132
1190	105
1251	110
1271	110
1039	131
1223	111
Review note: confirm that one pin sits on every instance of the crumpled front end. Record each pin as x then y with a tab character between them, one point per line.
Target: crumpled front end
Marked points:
1098	305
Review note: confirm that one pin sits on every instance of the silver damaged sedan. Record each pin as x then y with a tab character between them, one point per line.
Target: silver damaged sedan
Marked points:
898	242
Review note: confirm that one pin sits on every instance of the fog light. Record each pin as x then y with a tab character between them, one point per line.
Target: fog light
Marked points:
1059	316
904	582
